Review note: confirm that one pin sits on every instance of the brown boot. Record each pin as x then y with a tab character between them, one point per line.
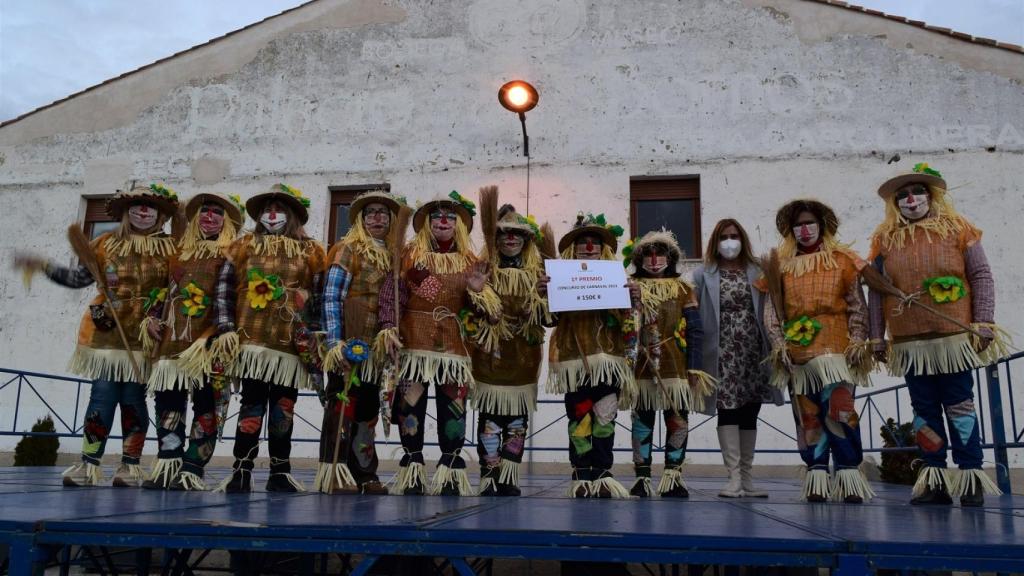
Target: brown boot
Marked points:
373	488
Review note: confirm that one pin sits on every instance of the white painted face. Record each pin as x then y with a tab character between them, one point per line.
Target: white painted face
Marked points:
806	229
142	217
913	202
211	219
442	224
588	247
376	220
510	244
273	218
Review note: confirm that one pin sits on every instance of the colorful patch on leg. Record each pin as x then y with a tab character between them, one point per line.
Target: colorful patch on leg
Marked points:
134	430
641	436
927	439
282	416
606	409
678	431
841	408
409	426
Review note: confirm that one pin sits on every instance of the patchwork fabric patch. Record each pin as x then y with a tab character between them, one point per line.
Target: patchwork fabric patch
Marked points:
606	409
965	427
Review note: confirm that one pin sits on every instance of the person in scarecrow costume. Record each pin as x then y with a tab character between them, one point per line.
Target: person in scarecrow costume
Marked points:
668	368
267	309
443	294
358	264
506	375
937	299
817	322
587	355
132	261
185	323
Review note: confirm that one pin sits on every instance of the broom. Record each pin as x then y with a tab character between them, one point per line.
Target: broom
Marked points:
82	249
489	220
548	251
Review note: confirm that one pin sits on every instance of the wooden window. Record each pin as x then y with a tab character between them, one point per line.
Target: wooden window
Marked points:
672	202
341	198
96	221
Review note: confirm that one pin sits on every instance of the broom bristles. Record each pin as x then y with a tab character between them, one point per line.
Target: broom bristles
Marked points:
547	243
489	218
773	277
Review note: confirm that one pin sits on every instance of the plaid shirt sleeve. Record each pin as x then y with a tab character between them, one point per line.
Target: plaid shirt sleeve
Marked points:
225	298
77	277
335	292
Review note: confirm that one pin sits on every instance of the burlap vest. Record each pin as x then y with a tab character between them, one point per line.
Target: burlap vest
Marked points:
821	295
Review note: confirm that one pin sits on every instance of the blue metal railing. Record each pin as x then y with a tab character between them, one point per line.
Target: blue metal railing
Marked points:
988	384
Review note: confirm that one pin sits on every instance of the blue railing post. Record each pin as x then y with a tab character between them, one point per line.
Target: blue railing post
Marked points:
995	408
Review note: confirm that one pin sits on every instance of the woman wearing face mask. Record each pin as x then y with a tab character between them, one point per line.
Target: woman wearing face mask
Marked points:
183	332
443	295
587	355
735	346
267	305
359	262
819	333
668	370
928	250
133	260
505	392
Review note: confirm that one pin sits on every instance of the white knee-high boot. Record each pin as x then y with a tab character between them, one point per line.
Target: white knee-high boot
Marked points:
729	440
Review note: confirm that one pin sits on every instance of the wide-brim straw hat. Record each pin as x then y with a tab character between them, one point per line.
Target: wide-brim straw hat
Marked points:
161	197
654	238
421	213
784	217
373	196
888	189
232	206
283	193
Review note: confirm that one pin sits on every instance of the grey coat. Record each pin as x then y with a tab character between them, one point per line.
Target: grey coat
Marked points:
708	282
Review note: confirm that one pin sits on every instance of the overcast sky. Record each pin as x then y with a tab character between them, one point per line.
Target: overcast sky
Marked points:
52	48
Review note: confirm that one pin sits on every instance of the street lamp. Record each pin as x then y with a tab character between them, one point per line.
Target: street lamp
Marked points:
519	97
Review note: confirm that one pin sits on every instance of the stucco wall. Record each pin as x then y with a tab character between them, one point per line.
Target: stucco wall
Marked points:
355	92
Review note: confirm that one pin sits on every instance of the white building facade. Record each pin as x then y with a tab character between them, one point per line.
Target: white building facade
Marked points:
749	103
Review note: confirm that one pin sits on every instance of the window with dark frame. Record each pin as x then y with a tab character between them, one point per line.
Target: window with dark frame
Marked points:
96	220
341	199
672	202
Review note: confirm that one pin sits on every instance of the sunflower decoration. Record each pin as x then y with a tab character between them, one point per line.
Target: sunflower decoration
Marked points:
238	202
194	300
627	252
296	193
922	168
463	201
263	289
155	296
356	351
164	191
534	227
945	289
802	330
468	323
679	334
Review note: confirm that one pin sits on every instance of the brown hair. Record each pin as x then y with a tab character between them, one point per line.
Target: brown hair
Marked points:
711	255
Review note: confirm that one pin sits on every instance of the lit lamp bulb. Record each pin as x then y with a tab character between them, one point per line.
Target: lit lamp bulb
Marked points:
518	96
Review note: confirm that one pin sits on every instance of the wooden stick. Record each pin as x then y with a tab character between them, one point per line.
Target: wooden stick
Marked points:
82	249
879	283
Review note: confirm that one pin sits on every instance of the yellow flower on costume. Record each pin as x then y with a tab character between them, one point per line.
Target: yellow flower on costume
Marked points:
262	289
194	300
802	330
945	289
679	334
155	296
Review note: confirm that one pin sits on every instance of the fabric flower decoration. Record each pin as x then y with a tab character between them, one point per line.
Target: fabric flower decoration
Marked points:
155	296
532	223
263	289
679	334
356	350
922	168
463	201
802	330
163	191
945	289
238	201
627	252
468	322
194	300
296	193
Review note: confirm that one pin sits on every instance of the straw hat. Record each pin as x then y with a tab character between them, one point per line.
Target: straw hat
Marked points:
455	201
164	199
232	205
784	217
591	224
283	193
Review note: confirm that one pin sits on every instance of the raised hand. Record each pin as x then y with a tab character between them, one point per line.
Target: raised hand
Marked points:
477	275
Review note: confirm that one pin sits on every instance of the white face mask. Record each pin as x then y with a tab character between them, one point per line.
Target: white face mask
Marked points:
274	221
914	206
806	234
730	249
142	217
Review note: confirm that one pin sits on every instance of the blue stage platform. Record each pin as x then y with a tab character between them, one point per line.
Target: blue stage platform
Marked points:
40	521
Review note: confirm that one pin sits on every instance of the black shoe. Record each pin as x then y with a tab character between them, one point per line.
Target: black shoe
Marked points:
974	498
278	482
816	498
509	490
853	499
416	490
240	483
933	496
154	485
490	488
640	489
450	489
677	492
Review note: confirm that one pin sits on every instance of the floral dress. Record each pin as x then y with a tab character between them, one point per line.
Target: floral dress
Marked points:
741	379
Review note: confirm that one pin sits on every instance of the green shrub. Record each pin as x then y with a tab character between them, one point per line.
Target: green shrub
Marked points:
897	467
38	450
